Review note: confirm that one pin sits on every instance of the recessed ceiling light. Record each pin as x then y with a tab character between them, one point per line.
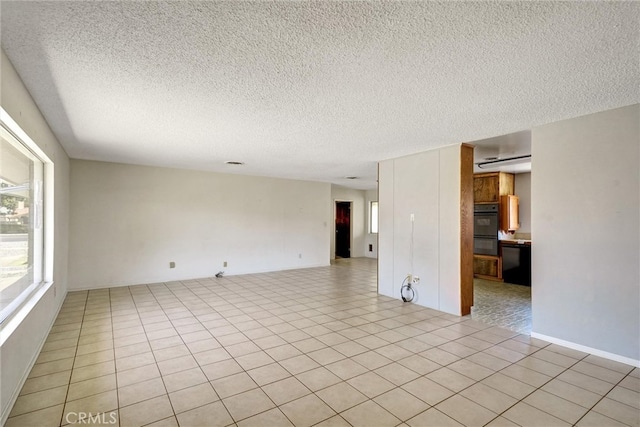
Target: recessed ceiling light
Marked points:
351	177
231	162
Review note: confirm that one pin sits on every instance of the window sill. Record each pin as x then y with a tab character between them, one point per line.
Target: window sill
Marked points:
19	313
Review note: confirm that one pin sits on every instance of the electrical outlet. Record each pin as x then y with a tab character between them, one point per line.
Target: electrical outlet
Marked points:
172	264
415	280
224	264
413	217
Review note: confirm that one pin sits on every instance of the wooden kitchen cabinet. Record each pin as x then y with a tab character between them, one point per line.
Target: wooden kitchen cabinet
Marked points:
509	209
487	267
488	187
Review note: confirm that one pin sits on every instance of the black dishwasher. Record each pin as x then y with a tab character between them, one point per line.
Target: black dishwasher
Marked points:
516	263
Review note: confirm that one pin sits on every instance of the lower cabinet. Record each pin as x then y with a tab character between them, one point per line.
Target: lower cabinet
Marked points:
487	267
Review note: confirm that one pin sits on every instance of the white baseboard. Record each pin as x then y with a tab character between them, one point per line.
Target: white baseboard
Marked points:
585	349
157	280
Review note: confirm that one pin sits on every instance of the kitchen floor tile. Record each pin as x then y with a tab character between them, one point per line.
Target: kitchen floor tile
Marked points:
594	419
489	398
254	360
371	360
572	393
341	396
268	374
192	397
465	411
526	375
433	417
371	384
618	411
307	411
272	418
233	384
419	364
184	379
318	378
626	396
283	352
450	379
45	382
335	421
39	400
427	390
524	414
369	414
508	385
96	404
396	373
137	375
346	369
48	417
401	404
556	406
286	390
246	404
214	415
470	369
90	387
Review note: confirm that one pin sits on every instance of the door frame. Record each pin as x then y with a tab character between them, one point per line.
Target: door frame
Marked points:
333	227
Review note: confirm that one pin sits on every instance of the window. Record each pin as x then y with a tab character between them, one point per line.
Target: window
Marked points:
22	234
373	217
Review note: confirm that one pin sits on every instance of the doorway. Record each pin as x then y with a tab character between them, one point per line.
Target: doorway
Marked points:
343	230
502	279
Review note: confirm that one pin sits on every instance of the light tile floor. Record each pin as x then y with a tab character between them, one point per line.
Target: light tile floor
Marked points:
502	304
305	347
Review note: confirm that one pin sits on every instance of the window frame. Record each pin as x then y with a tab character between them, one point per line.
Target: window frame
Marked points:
377	220
13	314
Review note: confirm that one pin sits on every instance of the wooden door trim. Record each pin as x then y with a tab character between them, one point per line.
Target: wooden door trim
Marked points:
466	229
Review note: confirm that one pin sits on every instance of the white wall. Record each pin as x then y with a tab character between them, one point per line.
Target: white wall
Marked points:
19	352
128	222
358	219
523	191
369	238
585	212
426	185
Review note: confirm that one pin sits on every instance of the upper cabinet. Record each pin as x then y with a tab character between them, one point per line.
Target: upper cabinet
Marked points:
488	187
498	187
509	220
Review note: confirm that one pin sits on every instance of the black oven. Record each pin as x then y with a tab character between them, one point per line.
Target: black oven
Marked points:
485	246
485	229
485	220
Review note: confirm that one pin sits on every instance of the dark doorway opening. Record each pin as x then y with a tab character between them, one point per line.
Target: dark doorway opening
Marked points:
343	229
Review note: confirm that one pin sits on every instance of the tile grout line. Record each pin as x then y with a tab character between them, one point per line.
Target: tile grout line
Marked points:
84	311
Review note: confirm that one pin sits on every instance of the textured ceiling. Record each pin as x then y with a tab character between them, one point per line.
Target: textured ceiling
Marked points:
313	90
